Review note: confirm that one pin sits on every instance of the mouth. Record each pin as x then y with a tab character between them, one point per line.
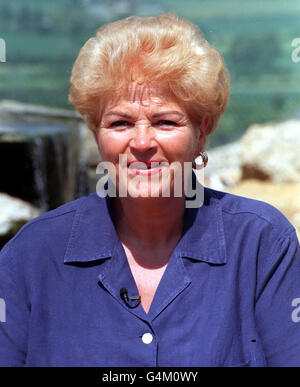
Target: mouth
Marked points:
145	168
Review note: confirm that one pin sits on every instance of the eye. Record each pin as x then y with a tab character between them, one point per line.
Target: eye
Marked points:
119	123
166	123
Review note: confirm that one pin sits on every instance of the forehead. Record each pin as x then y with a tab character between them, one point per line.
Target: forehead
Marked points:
146	95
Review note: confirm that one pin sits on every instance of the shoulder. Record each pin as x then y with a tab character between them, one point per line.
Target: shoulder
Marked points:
257	233
49	231
246	211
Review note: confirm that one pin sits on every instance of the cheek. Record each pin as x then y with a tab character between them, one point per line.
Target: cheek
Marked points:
181	146
110	145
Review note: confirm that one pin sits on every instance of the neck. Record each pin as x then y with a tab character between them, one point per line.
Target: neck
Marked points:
149	222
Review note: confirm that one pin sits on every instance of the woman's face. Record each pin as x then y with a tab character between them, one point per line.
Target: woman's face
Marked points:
151	131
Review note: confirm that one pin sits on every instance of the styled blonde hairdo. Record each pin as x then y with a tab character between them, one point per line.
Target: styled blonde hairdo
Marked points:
144	49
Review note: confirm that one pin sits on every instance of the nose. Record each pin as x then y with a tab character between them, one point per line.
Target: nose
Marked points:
143	138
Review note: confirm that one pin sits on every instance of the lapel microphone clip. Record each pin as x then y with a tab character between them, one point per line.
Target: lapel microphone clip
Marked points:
128	300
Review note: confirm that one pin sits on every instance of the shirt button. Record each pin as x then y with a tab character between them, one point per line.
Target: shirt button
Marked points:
147	338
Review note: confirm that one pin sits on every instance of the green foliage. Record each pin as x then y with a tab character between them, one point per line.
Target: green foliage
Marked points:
245	109
254	56
43	39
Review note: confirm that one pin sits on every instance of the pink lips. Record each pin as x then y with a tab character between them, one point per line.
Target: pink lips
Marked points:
136	167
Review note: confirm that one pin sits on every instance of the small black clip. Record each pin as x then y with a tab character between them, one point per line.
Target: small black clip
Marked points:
127	299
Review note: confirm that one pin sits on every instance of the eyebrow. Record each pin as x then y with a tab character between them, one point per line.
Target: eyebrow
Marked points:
124	115
114	113
167	112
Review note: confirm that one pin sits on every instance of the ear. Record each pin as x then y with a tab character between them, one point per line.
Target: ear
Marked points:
204	124
202	132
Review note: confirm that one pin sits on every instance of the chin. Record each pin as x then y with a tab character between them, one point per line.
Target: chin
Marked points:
143	189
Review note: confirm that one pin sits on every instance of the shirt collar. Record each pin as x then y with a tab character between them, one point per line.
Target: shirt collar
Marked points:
203	234
93	235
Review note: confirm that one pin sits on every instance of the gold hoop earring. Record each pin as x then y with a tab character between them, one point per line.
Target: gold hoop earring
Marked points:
204	161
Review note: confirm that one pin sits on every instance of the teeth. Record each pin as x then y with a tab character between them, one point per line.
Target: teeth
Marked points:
154	165
142	165
138	165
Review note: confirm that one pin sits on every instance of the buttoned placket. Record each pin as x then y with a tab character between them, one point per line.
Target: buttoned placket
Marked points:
94	237
116	274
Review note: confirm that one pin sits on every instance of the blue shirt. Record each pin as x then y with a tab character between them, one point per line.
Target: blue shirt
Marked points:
228	297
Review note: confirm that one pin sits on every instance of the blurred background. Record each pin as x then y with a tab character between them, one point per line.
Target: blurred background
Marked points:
45	143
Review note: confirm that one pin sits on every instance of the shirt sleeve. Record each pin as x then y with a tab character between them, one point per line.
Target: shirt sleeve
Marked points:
14	314
277	308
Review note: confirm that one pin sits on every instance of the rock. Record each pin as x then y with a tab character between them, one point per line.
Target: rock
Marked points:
295	219
224	158
13	215
271	151
213	181
264	165
223	169
285	197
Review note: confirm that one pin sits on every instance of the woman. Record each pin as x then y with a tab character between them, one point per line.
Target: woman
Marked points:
139	278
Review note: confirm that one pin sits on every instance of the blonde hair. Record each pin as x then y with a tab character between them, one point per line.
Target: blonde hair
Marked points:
145	49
